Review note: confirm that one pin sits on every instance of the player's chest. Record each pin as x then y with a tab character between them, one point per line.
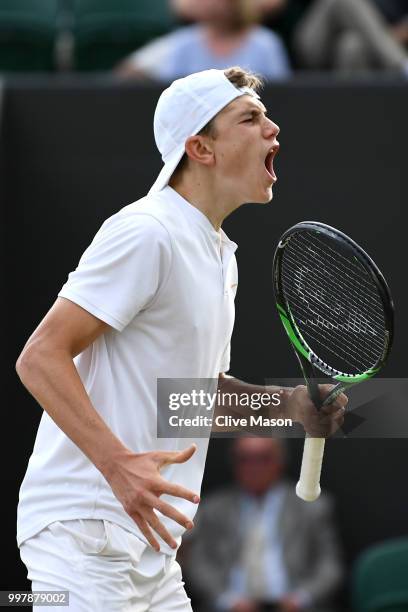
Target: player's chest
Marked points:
201	292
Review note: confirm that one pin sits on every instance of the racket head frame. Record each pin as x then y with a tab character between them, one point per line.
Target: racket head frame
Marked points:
310	363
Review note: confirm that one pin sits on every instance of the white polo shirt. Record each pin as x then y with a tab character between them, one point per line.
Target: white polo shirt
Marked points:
164	280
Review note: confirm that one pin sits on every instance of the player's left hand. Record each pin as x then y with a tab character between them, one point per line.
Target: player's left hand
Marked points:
317	423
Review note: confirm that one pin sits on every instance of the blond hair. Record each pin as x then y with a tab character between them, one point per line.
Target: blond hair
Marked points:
243	78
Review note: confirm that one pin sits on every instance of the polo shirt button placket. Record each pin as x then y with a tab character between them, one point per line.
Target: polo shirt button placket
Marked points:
221	264
225	265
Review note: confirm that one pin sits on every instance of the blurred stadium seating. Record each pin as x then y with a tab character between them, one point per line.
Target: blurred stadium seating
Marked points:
105	31
380	580
100	32
27	34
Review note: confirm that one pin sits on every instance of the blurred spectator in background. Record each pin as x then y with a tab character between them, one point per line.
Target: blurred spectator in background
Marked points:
353	35
258	547
226	33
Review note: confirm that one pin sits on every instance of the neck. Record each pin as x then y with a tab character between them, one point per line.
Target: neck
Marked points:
214	202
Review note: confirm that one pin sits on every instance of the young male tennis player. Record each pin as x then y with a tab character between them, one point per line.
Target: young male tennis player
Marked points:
104	502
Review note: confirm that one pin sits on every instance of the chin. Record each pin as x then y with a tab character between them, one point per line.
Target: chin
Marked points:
263	196
270	196
266	197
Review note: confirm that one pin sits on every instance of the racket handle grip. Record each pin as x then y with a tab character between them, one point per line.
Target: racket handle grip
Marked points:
308	487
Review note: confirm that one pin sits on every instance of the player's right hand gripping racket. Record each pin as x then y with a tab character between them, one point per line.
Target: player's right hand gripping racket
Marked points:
338	313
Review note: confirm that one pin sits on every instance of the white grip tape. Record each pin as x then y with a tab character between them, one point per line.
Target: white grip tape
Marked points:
308	487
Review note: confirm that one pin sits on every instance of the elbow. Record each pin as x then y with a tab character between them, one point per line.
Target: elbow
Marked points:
24	363
27	363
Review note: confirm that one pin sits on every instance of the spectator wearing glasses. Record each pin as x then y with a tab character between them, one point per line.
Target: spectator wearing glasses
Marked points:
259	548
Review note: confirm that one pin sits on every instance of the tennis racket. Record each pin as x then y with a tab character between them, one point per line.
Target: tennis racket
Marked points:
337	310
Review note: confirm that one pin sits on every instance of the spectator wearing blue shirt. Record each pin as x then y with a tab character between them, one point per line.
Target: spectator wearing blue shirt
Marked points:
227	33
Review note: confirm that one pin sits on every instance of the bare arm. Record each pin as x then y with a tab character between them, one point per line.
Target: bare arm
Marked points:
294	403
47	370
127	69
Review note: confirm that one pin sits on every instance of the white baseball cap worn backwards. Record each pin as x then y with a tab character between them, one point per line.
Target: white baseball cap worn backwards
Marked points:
183	109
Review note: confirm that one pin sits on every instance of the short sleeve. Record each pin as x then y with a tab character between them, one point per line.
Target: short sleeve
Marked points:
122	270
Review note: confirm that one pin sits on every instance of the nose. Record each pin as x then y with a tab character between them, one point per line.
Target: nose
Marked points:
270	128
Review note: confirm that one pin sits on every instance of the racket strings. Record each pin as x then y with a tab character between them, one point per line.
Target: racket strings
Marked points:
345	282
376	325
332	265
336	255
357	366
349	350
353	324
369	296
357	321
334	303
373	325
350	353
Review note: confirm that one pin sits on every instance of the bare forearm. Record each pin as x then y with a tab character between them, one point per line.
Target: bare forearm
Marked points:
278	408
52	378
294	404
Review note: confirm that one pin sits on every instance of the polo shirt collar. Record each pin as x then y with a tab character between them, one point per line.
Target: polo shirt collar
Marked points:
201	219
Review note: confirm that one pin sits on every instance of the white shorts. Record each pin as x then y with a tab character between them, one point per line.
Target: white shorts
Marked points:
104	567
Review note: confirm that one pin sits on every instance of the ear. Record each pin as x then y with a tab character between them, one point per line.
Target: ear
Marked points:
199	149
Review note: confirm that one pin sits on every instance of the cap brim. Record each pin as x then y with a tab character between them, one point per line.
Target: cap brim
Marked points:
167	170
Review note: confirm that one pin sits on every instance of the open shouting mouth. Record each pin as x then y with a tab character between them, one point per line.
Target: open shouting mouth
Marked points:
270	156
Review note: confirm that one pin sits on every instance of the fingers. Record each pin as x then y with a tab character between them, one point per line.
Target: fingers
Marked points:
170	511
338	405
340	400
144	528
159	528
138	485
338	417
325	390
168	457
332	412
178	491
324	422
331	418
147	520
